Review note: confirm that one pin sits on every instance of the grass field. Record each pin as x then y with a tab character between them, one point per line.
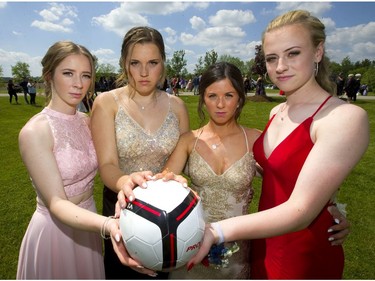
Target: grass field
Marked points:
18	197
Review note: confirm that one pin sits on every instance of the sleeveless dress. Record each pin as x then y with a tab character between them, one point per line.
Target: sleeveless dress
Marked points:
304	254
50	249
223	196
137	151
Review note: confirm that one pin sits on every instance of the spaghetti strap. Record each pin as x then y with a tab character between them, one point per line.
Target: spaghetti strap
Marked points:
247	142
312	116
196	140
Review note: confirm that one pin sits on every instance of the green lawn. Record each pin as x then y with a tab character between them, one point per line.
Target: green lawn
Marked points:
18	197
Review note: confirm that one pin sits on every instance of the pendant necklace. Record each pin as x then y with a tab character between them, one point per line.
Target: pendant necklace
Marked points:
215	145
143	107
281	111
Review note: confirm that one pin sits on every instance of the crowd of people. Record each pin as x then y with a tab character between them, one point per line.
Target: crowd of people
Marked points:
137	132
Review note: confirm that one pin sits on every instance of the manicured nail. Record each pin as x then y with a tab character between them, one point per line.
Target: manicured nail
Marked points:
331	239
144	185
330	230
131	199
153	274
140	267
185	185
337	221
117	237
190	266
205	262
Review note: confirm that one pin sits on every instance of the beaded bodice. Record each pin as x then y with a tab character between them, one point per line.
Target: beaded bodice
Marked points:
225	195
139	150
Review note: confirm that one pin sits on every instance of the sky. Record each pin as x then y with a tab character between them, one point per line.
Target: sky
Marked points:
29	28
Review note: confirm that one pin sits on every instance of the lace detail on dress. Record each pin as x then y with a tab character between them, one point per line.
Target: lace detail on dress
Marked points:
139	151
74	151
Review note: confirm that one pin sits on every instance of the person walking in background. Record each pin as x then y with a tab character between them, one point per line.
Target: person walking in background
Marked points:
31	88
260	89
62	240
135	128
350	87
303	165
196	84
25	90
12	91
340	83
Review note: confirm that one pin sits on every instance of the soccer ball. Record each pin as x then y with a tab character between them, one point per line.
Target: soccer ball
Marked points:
163	227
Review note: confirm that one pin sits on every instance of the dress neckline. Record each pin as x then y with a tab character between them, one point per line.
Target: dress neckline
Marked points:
58	114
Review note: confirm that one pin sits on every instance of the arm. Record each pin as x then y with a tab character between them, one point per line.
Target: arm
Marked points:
36	147
315	185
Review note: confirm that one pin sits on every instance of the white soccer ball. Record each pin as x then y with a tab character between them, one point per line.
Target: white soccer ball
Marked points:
163	227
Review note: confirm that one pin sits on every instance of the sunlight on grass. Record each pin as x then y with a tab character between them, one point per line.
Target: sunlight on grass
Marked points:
18	197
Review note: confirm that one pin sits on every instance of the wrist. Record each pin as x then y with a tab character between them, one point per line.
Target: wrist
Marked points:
219	238
105	230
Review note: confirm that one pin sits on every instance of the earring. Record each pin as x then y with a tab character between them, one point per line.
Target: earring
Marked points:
316	69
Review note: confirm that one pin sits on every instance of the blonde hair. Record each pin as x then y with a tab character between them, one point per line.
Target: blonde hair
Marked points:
55	55
317	32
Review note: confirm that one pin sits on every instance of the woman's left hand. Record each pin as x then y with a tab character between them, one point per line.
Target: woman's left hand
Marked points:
341	229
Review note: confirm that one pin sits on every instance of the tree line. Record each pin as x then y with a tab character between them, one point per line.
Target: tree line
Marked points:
176	66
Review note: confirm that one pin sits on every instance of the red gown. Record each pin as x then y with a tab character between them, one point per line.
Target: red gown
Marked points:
305	254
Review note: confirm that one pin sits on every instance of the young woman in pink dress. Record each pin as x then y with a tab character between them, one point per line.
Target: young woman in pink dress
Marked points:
63	239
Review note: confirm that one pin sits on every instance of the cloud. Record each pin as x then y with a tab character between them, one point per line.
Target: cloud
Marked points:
197	23
10	58
56	18
232	18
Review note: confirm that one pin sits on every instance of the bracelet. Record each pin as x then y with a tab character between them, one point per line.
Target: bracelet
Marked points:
104	226
219	232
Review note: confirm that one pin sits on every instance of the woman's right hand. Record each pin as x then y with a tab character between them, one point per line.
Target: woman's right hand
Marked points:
122	253
127	183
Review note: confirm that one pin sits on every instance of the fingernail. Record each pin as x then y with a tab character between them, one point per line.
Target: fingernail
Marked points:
144	185
140	267
190	266
330	230
205	262
331	239
185	185
153	274
337	221
131	198
117	237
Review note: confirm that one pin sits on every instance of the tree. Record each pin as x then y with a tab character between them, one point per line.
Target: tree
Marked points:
105	70
20	71
236	61
259	66
177	65
1	71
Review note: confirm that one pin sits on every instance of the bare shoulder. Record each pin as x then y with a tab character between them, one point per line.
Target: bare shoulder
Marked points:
35	132
252	132
343	112
176	102
188	136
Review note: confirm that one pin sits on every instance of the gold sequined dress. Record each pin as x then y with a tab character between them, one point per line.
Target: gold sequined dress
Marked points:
138	150
223	196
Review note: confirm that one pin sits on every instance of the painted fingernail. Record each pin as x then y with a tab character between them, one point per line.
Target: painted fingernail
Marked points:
190	266
131	198
140	267
117	237
185	185
330	230
331	239
153	274
205	262
337	221
144	185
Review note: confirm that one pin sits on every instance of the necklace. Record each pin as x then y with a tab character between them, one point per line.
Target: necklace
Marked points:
282	110
214	145
143	107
